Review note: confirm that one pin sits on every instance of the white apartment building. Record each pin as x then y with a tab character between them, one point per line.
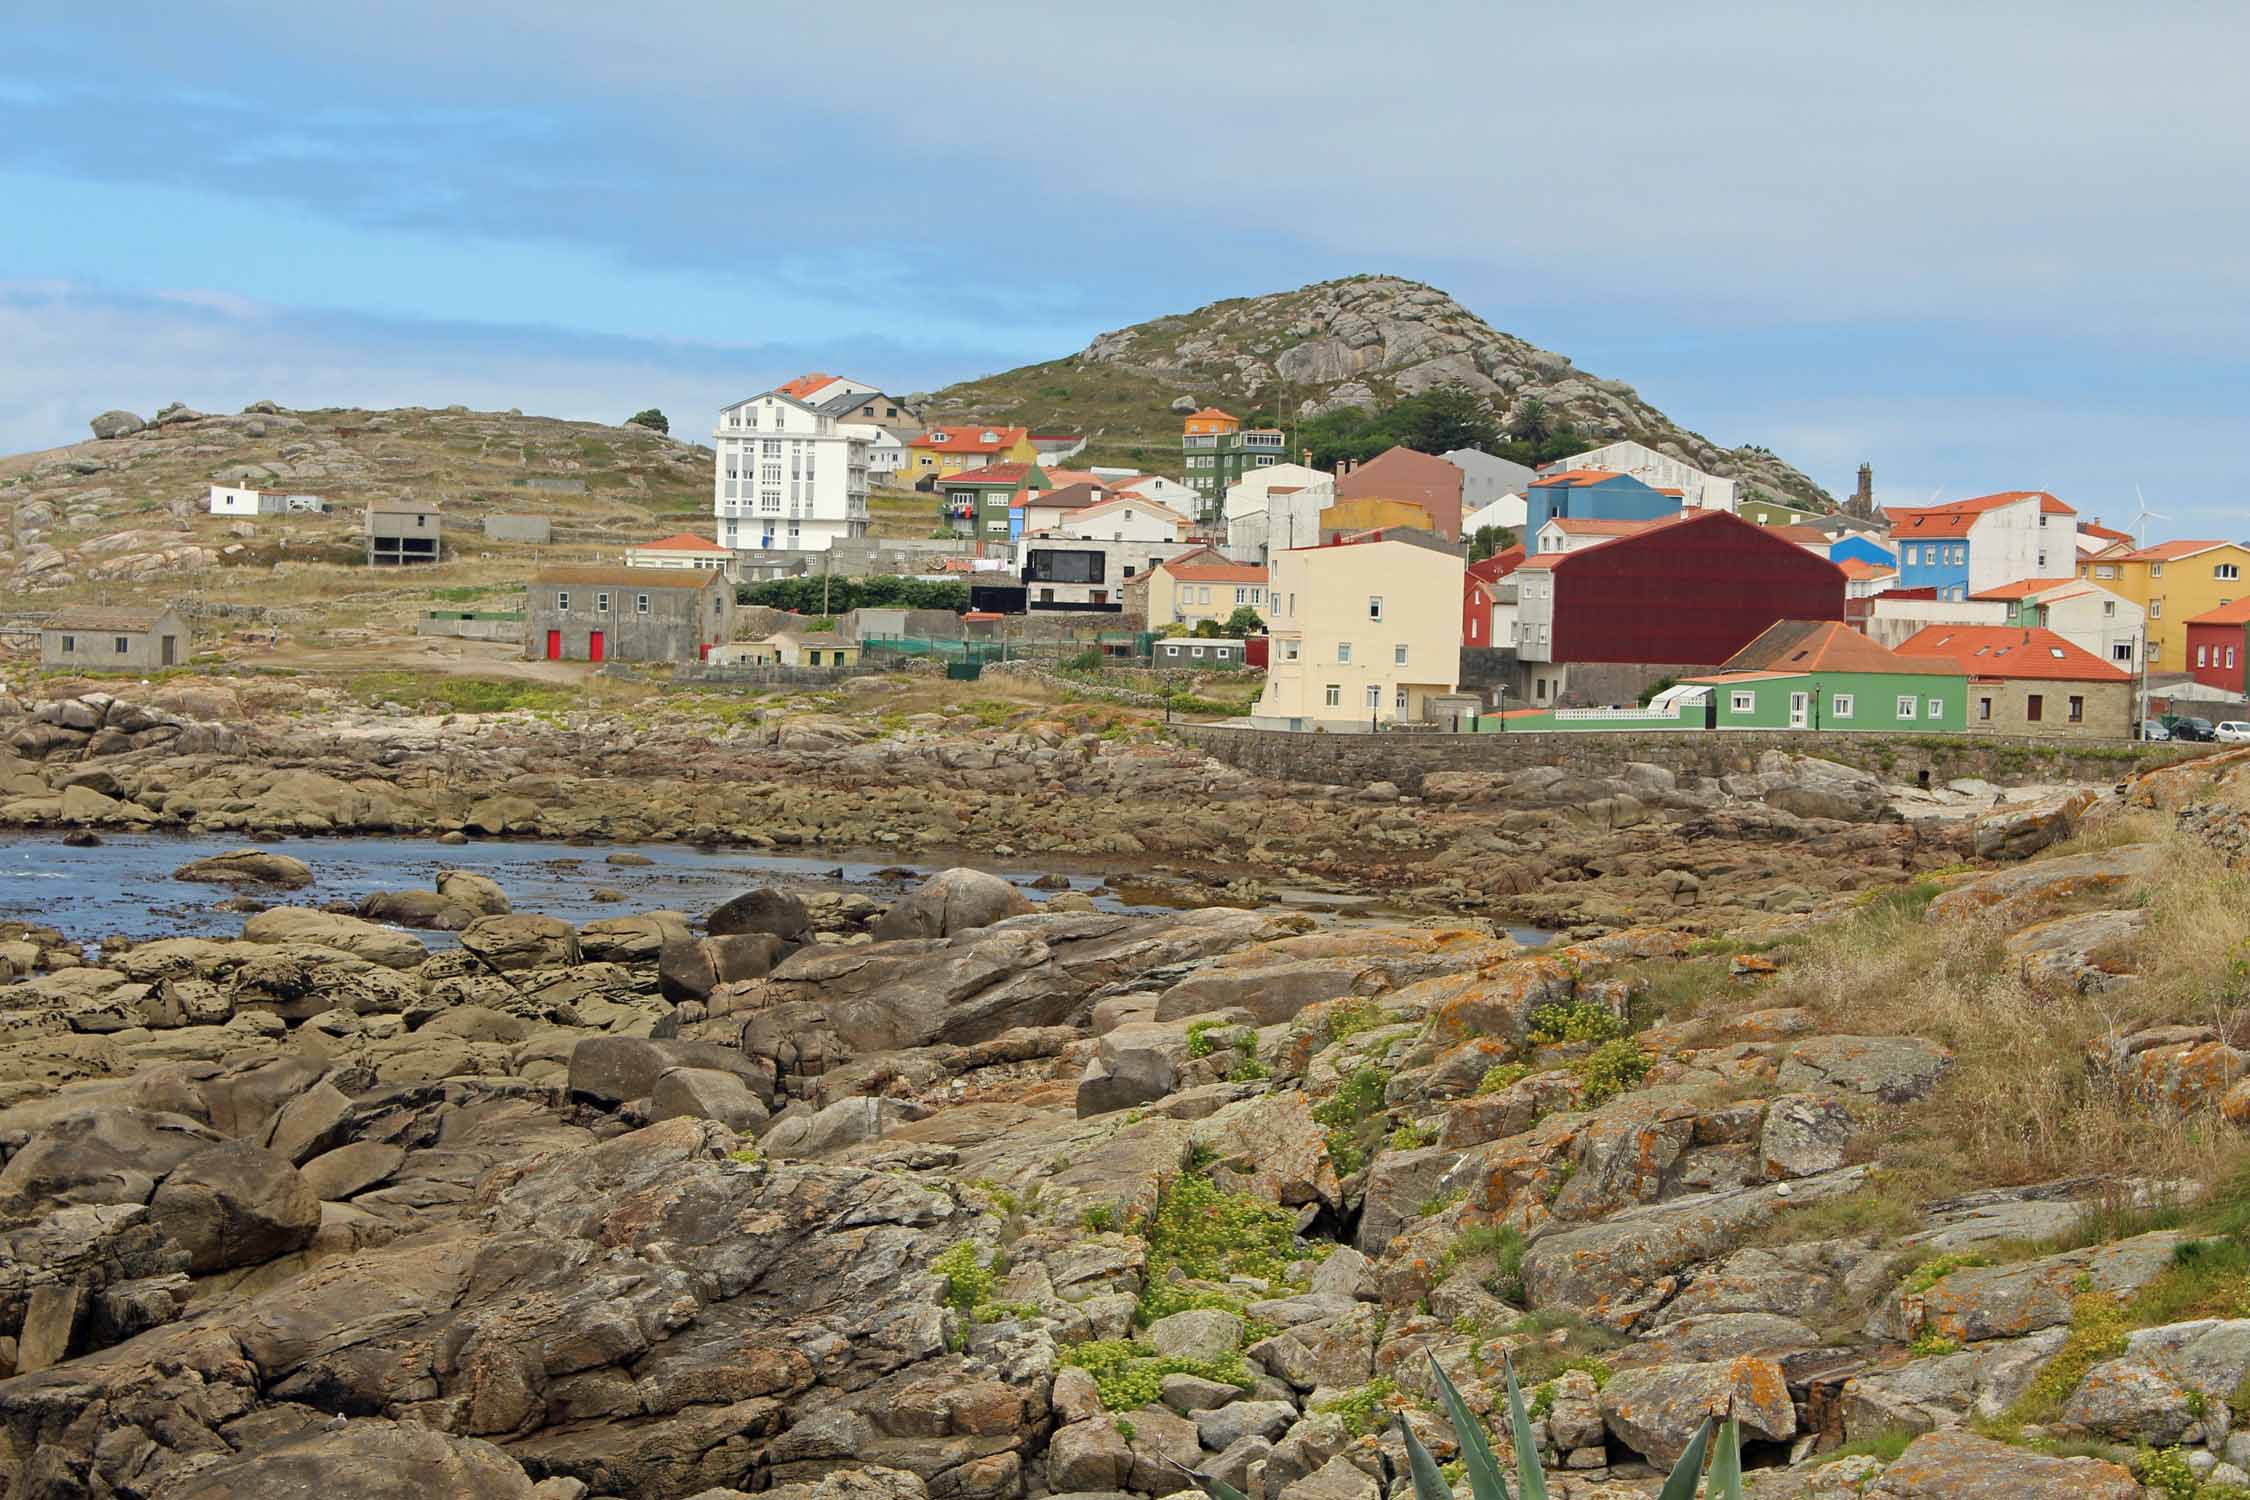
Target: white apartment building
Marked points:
787	476
1272	509
886	450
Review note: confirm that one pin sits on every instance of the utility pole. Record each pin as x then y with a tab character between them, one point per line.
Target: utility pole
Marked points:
2141	651
827	568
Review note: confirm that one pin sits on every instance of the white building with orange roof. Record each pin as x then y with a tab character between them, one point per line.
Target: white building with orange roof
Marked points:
787	474
1124	518
682	549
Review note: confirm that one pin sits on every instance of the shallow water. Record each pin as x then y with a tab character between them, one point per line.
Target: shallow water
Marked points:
124	888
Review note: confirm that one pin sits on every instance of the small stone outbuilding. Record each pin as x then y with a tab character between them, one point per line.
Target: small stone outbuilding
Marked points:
115	640
597	613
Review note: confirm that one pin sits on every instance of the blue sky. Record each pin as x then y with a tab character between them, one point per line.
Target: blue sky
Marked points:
1983	247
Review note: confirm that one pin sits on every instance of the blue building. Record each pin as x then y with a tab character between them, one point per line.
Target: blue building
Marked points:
1594	495
1863	548
1937	558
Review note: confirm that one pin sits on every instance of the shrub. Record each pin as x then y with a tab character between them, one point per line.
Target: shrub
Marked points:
1130	1376
1348	1018
1502	1075
1572	1021
967	1282
1358	1099
1364	1408
1934	1270
1503	1243
1611	1069
1209	1235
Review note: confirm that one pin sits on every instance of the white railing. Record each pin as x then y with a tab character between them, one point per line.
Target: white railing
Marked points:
1651	715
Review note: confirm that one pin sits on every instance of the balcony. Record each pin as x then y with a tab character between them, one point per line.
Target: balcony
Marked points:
1206	441
1262	437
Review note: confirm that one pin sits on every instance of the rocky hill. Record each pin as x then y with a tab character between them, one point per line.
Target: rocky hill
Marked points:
1360	341
130	503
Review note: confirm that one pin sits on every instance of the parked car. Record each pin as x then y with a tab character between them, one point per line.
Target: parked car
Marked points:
2235	730
2186	728
2153	729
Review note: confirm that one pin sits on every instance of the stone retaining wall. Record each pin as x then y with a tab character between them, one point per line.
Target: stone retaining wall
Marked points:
1404	758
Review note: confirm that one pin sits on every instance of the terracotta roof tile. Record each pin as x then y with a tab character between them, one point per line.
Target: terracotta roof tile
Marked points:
2237	613
633	578
131	621
682	541
804	385
2171	551
969	438
2007	651
1822	646
2022	588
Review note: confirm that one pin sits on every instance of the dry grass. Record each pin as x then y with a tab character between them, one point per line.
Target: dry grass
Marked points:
2023	1102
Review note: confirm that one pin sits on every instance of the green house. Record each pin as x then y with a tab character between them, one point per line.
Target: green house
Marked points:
1821	674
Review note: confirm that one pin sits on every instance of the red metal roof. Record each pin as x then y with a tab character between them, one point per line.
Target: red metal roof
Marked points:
1499	565
2008	651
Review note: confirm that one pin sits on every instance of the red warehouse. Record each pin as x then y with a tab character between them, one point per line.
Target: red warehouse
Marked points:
1693	589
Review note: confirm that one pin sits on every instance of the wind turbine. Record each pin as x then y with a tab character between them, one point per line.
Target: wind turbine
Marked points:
2142	517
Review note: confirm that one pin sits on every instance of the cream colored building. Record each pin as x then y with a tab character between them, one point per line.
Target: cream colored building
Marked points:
1125	518
1198	586
1365	631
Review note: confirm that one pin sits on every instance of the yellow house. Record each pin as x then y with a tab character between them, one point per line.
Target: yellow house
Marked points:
1367	514
1193	587
2173	582
1364	629
945	451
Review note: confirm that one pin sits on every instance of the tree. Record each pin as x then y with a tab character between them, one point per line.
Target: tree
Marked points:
1443	418
1243	623
1531	422
1490	541
1207	630
652	419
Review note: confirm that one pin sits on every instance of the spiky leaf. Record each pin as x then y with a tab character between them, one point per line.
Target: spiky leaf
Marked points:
1726	1464
1217	1489
1485	1482
1529	1475
1429	1484
1680	1483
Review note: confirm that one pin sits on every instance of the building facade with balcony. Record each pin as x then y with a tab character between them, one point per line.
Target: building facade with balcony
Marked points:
787	475
1216	450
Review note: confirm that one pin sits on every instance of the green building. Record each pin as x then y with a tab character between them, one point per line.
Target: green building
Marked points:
1215	451
977	500
1821	674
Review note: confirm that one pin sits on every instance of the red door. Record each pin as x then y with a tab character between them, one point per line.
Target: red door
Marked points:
594	646
554	645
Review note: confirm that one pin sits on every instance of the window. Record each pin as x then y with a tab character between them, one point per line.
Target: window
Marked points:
123	645
1335	695
1288	650
1906	706
1743	703
640	604
2228	571
1840	706
601	604
1197	653
562	599
1398	654
812	658
1984	708
1936	707
1374	606
1343	651
1913	557
2105	570
2156	570
1242	596
70	643
1374	695
2034	708
2077	709
2199	659
2156	609
2109	608
2121	651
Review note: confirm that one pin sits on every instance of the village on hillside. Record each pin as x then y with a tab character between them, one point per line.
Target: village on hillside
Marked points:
1617	588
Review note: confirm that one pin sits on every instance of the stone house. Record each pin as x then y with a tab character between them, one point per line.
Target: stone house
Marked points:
626	614
2031	681
115	640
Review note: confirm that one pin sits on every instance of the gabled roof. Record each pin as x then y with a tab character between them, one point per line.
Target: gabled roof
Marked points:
1592	526
2008	651
682	541
130	621
2237	613
1154	507
995	475
1859	568
2106	533
2172	551
1499	565
1061	477
804	386
1577	478
969	438
1803	536
1955	517
1069	497
635	578
1822	646
1214	572
1212	414
2022	588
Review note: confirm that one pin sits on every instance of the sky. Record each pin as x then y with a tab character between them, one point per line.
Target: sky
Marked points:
1982	247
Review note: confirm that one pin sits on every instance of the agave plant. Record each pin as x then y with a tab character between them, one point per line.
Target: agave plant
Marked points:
1485	1481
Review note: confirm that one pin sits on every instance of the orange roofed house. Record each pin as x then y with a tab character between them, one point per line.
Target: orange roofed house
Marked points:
2030	681
954	447
1194	587
682	549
